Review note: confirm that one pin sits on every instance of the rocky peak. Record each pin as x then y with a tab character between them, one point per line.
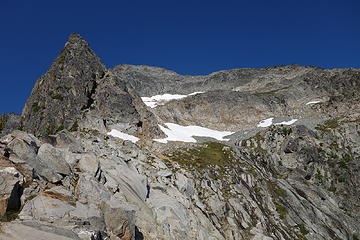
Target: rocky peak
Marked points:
65	90
79	92
76	41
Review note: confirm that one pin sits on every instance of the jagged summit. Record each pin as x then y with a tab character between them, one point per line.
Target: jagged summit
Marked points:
77	53
60	94
70	94
77	40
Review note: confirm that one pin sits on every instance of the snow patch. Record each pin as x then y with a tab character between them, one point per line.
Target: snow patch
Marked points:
162	99
123	136
314	102
287	122
180	133
268	122
265	123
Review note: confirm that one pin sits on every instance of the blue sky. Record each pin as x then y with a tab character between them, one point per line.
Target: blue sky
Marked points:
189	37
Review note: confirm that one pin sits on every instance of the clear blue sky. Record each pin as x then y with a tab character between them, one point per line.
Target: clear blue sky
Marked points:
189	37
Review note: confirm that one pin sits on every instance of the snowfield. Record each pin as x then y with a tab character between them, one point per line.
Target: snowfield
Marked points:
265	123
123	136
180	133
268	122
158	100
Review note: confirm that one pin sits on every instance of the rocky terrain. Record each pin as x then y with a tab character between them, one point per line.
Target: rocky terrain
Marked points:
90	158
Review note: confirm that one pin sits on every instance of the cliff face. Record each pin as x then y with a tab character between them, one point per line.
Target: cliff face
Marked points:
289	169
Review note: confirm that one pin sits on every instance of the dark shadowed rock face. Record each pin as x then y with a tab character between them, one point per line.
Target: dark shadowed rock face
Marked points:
119	106
62	94
79	92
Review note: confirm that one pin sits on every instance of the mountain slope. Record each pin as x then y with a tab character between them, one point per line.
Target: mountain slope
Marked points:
289	171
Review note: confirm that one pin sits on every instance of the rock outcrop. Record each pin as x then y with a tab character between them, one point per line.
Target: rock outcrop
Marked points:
62	94
79	92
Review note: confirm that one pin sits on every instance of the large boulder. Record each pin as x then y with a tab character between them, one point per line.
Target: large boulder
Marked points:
32	230
119	220
51	205
10	189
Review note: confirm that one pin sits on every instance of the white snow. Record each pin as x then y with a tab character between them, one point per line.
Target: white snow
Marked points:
161	99
268	122
287	122
314	102
265	123
180	133
194	93
123	136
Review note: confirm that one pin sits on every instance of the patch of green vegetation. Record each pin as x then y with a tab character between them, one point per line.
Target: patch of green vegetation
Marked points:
320	150
257	189
334	146
341	179
251	170
10	215
355	237
27	184
302	228
332	188
286	131
275	190
209	154
56	96
347	157
60	128
345	160
74	127
328	125
35	107
2	121
60	59
31	197
50	129
92	132
342	164
319	176
281	210
333	155
270	92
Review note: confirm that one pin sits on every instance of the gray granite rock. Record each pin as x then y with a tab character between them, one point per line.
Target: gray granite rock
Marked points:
10	189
